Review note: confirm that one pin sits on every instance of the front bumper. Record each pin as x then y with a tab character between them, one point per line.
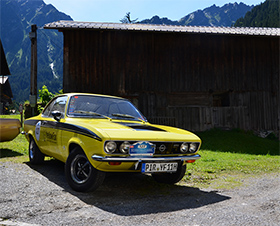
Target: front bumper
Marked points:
135	162
146	159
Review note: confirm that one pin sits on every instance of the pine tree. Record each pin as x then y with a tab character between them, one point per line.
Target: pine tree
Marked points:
264	15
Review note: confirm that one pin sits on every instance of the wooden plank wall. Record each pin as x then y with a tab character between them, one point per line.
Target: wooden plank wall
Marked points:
179	75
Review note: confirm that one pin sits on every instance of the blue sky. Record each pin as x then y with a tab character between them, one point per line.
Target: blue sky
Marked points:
114	10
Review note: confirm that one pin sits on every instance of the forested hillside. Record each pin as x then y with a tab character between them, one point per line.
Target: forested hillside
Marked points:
264	15
17	16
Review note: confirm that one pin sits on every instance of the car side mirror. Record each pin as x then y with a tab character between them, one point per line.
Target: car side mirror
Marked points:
57	115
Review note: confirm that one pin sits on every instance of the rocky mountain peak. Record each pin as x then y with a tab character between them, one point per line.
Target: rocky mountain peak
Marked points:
210	16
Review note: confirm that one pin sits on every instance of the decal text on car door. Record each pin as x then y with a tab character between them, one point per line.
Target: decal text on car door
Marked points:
51	136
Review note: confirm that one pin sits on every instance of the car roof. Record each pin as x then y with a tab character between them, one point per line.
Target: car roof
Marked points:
90	94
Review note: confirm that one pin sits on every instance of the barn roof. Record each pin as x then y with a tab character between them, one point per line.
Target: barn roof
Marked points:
254	31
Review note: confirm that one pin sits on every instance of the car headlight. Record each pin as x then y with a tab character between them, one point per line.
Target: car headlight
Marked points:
193	147
124	148
110	147
184	147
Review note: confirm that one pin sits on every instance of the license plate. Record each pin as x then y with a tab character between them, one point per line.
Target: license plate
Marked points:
159	167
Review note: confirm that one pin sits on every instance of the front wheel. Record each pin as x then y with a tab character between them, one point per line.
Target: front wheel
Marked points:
170	178
80	174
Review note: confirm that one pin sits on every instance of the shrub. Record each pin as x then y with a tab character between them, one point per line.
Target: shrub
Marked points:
45	96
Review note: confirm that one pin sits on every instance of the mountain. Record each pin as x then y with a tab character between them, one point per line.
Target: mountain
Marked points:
211	16
16	19
264	15
158	20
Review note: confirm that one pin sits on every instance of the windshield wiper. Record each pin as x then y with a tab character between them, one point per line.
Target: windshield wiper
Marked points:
126	116
91	113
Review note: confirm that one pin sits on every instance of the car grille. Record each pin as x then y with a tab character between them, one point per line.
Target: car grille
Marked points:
162	148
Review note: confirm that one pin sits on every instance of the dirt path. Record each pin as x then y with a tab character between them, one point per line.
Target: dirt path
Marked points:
40	196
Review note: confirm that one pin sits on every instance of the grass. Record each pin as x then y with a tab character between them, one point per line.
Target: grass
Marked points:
15	150
238	141
10	116
228	157
227	170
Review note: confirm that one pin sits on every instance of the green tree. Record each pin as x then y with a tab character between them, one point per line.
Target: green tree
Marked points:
45	96
127	19
264	15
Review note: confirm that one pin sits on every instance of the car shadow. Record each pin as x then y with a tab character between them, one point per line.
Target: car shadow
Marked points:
129	194
5	152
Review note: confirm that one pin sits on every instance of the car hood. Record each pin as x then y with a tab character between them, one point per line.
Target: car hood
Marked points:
128	130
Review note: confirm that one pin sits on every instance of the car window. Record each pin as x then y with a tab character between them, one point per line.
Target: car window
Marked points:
57	104
47	110
99	106
123	107
81	103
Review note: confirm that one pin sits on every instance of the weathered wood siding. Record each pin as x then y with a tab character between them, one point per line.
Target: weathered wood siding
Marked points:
194	81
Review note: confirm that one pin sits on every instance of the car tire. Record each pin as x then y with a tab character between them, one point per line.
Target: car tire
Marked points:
170	178
80	174
35	155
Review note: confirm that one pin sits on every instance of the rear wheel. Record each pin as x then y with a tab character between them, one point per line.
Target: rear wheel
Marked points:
35	155
171	178
80	174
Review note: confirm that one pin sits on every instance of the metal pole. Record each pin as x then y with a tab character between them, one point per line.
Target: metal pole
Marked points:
33	70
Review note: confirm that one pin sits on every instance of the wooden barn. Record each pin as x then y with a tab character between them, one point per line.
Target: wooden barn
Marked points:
195	78
5	88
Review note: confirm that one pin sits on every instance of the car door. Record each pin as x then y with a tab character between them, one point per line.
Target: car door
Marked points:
51	128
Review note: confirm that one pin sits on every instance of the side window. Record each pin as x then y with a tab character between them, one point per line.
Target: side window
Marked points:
47	110
58	104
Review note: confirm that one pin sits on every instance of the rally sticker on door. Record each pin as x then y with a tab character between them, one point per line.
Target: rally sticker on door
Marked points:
37	130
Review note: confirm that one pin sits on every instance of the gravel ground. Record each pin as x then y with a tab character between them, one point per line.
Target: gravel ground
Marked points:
40	196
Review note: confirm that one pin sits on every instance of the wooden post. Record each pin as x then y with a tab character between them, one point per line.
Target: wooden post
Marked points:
278	100
21	114
33	69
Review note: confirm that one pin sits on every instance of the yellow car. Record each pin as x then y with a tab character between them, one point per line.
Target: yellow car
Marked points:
95	134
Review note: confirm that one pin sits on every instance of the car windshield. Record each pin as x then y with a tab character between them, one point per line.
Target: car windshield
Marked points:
102	107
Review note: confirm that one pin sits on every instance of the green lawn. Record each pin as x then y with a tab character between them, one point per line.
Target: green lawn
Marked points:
15	150
230	156
227	157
